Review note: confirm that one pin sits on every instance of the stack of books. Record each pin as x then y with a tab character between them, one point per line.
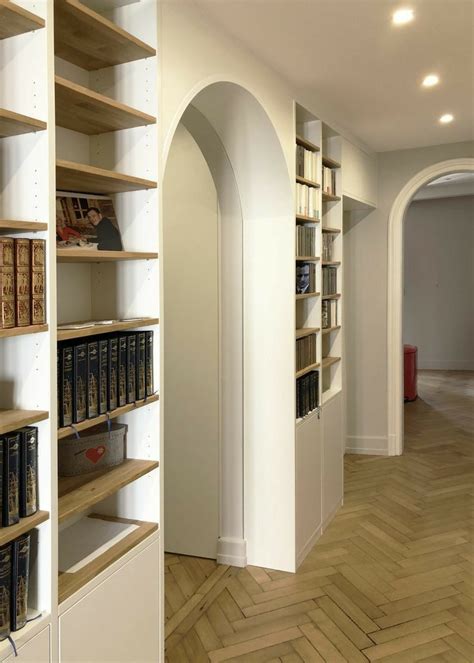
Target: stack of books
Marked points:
307	394
14	580
329	280
329	316
305	241
329	181
328	239
18	475
305	352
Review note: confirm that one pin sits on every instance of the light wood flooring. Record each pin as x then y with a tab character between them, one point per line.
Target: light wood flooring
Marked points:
391	578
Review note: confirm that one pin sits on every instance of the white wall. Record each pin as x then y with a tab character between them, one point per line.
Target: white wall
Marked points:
438	313
191	337
365	279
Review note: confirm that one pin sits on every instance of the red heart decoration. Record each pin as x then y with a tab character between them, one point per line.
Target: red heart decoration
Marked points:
95	454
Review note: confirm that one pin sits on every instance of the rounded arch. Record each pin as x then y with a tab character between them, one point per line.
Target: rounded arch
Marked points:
395	291
251	174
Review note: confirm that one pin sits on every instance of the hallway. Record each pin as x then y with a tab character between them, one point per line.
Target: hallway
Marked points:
390	579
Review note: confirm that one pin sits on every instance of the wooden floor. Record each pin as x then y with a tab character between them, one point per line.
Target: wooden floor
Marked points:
391	578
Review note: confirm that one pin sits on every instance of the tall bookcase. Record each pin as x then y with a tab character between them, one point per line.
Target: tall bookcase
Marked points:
84	119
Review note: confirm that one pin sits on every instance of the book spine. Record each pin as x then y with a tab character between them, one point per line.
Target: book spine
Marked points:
3	445
28	471
112	381
7	284
149	363
5	590
131	368
20	579
141	362
103	364
22	283
11	480
38	277
66	385
80	383
92	379
122	371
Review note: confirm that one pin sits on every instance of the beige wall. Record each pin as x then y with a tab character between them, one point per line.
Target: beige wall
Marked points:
365	270
438	313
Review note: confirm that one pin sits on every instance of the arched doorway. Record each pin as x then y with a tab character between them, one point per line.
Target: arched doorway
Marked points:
246	163
395	292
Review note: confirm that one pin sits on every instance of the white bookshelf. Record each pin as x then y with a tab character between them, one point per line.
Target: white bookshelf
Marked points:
115	144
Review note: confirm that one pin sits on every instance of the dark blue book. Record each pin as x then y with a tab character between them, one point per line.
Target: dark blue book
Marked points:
131	368
141	362
149	363
11	479
103	369
28	471
20	579
122	371
5	590
92	379
112	368
66	384
80	383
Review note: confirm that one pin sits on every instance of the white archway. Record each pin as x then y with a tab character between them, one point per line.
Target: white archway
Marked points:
395	292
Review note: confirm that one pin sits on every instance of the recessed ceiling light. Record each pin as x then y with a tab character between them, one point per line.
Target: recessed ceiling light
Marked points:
446	118
402	16
430	80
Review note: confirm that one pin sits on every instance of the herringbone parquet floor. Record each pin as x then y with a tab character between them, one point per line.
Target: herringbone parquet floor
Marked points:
391	578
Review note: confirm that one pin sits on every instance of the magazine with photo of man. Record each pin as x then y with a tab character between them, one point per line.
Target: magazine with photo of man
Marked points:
86	221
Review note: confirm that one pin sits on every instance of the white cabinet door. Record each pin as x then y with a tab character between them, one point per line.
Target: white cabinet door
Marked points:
333	456
308	485
118	621
35	650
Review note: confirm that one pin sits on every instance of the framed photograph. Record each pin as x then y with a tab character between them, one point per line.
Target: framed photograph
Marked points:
86	221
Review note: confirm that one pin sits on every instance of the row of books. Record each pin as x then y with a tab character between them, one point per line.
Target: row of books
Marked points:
329	280
328	242
14	580
103	374
307	201
305	352
305	277
306	163
329	181
329	314
305	241
18	475
307	394
22	282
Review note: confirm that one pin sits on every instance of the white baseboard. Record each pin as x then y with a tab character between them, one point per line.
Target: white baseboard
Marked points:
446	365
367	445
308	546
232	552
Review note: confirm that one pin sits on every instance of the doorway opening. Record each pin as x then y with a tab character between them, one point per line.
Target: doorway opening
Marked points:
395	387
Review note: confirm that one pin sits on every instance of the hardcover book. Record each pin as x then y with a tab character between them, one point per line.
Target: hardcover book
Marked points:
66	385
38	290
141	360
80	383
7	284
92	379
11	479
28	471
131	368
112	381
20	578
22	283
149	363
5	589
103	362
122	371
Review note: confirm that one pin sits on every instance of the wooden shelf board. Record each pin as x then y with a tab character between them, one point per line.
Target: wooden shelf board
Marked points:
331	163
11	420
21	331
76	494
331	263
87	39
71	176
306	258
306	219
84	425
307	144
15	20
94	255
96	330
7	534
328	229
306	331
337	296
302	180
307	295
15	124
329	198
88	112
328	330
22	226
307	369
69	583
329	361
